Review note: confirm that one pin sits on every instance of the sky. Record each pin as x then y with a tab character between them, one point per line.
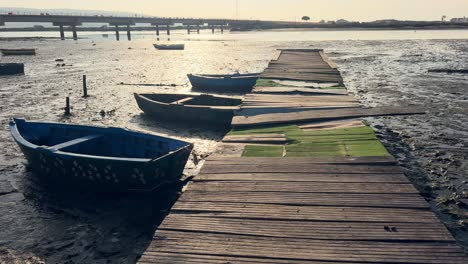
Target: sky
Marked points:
356	10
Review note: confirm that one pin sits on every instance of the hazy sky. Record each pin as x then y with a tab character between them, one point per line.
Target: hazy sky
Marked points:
362	10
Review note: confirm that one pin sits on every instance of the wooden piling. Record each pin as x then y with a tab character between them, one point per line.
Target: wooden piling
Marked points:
67	106
129	34
117	34
168	30
85	88
198	28
188	29
62	33
157	30
75	35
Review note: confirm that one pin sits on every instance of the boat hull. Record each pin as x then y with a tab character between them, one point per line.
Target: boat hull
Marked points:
11	68
239	84
184	113
170	47
103	174
18	52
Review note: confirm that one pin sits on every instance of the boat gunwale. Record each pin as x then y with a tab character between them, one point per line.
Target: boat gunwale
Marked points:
218	107
22	141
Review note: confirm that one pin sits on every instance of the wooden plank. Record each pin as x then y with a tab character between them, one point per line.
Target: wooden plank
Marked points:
305	177
299	90
321	115
219	159
392	231
310	168
298	249
279	139
304	213
181	258
302	187
317	199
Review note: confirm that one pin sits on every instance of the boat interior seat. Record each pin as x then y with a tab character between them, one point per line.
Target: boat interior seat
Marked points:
182	101
74	142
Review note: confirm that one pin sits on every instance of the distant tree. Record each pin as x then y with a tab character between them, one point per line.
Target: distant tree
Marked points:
305	18
444	18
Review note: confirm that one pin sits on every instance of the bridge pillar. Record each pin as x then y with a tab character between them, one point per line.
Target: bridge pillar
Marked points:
117	33
157	30
75	35
62	33
168	30
129	35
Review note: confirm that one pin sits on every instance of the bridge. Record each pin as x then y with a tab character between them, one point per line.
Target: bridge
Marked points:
62	21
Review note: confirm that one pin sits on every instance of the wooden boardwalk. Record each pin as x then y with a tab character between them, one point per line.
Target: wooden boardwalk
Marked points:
300	209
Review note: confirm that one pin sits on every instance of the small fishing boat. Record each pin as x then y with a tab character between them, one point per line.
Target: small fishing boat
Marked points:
169	46
17	52
231	83
11	68
189	108
98	158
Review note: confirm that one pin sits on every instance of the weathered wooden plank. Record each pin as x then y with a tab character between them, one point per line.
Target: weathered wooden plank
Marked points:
299	90
321	115
387	160
392	231
302	187
317	199
305	177
257	139
304	213
298	249
310	168
181	258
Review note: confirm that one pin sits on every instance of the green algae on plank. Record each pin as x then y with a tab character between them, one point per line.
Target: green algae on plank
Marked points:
263	151
353	142
269	83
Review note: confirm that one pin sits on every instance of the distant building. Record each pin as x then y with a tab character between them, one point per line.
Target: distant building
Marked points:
459	20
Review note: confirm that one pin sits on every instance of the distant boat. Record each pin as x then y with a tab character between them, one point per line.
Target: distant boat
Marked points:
17	52
11	68
231	83
169	46
189	108
100	159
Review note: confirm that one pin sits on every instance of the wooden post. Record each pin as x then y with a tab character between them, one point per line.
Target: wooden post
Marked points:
222	29
157	30
85	88
67	106
188	29
212	29
129	35
117	34
168	30
198	28
62	33
75	35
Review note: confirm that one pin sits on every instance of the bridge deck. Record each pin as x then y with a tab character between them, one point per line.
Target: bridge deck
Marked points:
311	209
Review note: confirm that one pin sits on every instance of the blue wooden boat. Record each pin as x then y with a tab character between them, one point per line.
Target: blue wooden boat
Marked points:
100	159
231	83
11	68
196	109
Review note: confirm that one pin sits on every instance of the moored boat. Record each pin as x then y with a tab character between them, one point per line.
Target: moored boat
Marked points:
17	52
169	46
100	159
189	108
232	83
11	68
